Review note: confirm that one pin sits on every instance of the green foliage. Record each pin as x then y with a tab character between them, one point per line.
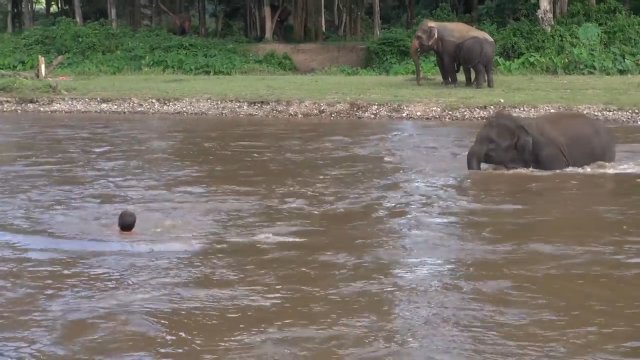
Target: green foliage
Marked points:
391	48
604	39
503	13
96	49
443	13
389	55
590	40
28	87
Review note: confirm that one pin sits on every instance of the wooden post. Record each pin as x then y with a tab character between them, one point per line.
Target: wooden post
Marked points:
41	72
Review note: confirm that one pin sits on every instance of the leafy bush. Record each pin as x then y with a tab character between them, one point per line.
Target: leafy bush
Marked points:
590	40
96	49
390	54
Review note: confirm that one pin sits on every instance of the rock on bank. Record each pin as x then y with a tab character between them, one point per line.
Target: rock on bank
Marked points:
296	109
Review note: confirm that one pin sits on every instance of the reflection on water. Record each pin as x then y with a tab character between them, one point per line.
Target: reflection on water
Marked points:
307	239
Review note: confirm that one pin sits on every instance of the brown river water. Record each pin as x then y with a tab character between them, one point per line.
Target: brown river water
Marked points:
307	239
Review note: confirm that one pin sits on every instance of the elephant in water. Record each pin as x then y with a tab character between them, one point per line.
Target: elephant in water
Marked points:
551	141
476	53
443	38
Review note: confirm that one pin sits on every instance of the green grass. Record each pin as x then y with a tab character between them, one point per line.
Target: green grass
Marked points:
620	91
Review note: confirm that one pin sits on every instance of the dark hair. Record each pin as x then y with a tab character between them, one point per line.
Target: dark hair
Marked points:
126	221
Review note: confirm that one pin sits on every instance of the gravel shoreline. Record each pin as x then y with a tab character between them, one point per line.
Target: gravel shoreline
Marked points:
297	109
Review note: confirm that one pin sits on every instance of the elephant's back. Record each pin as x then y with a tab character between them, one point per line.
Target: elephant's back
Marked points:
456	31
585	139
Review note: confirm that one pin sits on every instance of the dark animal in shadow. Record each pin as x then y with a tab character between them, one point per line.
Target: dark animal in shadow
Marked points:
551	141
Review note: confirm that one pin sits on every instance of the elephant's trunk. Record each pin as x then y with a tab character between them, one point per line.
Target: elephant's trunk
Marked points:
415	55
474	157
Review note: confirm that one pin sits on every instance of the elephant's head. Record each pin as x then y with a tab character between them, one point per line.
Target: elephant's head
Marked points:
425	40
503	140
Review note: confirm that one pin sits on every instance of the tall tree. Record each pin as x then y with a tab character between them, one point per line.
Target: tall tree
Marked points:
268	29
137	14
545	14
323	26
146	13
299	19
560	8
47	7
202	17
27	13
77	10
411	13
376	19
10	16
474	11
314	19
113	16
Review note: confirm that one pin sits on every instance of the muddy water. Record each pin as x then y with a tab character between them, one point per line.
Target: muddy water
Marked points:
261	239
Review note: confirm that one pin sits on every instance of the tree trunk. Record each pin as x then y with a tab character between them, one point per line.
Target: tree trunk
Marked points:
358	12
545	14
314	19
219	18
246	18
77	10
593	2
10	16
627	4
336	19
560	8
268	28
256	18
155	13
322	22
146	13
474	11
411	13
27	13
47	7
202	17
299	10
564	4
137	14
376	19
112	6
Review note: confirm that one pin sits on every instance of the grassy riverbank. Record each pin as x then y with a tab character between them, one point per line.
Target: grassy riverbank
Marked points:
615	91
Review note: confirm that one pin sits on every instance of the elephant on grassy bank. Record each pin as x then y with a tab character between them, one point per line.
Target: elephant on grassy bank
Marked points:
551	141
443	38
476	53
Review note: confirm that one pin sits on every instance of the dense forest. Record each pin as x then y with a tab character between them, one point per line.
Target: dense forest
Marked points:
211	36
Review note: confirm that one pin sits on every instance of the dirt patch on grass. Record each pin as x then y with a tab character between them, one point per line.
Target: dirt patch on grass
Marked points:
296	109
313	56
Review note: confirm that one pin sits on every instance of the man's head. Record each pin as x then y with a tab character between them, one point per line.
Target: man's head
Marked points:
127	221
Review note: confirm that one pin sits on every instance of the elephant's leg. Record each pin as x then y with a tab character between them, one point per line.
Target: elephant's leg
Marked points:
443	72
489	70
450	69
480	75
467	76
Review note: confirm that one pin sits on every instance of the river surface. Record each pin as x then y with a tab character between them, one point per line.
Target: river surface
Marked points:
307	239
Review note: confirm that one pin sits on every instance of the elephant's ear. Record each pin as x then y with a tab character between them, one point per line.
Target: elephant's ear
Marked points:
432	35
524	146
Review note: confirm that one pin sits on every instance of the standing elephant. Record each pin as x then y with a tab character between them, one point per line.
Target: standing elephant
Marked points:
443	38
552	141
476	53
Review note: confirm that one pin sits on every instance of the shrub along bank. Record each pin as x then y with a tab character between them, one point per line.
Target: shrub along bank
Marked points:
589	40
97	49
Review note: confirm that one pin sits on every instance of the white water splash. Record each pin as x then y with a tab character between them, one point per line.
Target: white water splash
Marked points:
33	242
